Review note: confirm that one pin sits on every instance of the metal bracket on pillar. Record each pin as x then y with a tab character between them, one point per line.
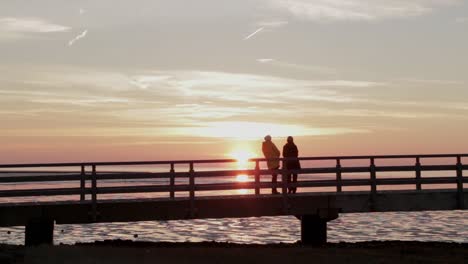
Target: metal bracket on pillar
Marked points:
313	230
39	231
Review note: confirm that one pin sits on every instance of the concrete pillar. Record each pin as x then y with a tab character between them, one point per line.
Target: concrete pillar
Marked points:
39	231
313	230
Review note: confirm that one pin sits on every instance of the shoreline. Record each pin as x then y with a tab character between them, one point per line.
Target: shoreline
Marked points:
128	251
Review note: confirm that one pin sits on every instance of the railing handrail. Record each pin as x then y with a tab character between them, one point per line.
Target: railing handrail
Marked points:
207	161
88	173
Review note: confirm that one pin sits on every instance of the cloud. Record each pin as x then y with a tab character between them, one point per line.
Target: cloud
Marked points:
80	36
430	81
254	33
273	23
237	87
295	66
17	27
266	60
357	10
81	102
256	130
461	19
206	103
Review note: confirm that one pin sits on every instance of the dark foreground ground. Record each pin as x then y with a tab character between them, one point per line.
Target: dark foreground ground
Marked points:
116	252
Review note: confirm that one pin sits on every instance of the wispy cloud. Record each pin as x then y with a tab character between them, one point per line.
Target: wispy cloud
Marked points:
295	66
265	60
206	104
17	27
256	130
272	23
240	87
78	37
355	10
461	19
431	81
254	33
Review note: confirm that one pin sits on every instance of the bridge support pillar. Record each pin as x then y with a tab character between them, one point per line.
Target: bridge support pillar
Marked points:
313	230
39	231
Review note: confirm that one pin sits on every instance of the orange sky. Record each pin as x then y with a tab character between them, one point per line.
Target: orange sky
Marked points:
80	83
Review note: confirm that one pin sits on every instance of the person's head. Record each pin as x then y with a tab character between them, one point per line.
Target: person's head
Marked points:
267	138
290	139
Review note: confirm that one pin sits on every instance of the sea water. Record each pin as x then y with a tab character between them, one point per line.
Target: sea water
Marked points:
441	226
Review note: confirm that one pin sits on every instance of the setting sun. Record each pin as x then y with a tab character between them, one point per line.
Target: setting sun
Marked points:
242	157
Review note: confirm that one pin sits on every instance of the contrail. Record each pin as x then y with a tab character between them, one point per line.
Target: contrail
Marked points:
266	60
80	36
253	34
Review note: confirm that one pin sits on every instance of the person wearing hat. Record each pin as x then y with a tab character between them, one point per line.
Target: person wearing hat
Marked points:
291	152
272	154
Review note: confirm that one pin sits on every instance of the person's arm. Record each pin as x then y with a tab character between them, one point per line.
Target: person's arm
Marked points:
265	151
296	151
277	152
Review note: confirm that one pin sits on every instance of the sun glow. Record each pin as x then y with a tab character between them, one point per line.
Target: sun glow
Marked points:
242	157
242	178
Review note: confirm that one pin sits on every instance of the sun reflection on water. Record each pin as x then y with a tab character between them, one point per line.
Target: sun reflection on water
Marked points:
242	156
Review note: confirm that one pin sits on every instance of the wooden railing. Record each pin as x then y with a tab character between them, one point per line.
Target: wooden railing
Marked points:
88	172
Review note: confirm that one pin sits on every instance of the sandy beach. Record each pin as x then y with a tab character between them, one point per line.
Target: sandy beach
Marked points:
117	252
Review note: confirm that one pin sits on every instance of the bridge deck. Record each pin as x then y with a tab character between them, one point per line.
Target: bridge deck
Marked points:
326	205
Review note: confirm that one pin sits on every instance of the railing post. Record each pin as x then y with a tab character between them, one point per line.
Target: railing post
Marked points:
83	183
257	177
373	175
418	174
284	181
172	182
339	184
94	193
460	196
284	188
192	190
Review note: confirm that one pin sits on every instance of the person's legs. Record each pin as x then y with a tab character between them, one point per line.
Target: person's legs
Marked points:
274	180
294	190
288	178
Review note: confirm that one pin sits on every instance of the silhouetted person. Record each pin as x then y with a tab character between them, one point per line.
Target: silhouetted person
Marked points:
290	151
270	151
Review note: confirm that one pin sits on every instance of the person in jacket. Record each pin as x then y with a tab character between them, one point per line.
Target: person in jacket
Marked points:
270	151
291	152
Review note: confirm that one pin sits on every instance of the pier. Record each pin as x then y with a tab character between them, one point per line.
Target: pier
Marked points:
80	201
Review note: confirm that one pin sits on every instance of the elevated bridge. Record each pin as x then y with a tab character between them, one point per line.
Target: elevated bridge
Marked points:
41	195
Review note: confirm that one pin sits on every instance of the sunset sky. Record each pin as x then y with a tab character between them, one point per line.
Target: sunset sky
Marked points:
158	80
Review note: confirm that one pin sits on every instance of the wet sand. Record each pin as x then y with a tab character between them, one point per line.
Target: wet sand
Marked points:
117	252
